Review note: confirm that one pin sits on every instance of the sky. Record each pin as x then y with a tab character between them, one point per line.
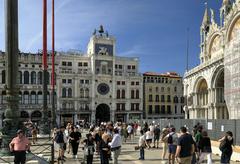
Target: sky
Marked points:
153	30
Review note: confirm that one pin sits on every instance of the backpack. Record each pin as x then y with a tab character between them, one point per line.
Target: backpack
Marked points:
170	139
59	137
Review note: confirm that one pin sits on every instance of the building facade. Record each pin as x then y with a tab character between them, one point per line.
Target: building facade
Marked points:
163	95
94	87
212	88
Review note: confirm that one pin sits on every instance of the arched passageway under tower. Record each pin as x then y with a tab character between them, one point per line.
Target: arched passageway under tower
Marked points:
102	113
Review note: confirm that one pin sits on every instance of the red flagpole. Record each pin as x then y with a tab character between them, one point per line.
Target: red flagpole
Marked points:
44	58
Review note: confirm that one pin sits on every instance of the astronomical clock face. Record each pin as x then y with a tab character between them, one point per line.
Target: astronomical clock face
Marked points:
104	49
103	89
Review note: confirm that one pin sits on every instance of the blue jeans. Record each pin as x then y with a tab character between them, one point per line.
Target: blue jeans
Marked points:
225	158
141	153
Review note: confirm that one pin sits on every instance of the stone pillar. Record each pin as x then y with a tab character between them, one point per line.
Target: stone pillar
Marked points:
93	118
75	118
12	114
127	117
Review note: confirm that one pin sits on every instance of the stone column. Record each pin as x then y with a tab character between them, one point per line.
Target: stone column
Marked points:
127	117
12	114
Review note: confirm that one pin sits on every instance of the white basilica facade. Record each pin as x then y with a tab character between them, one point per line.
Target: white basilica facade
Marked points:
212	88
94	87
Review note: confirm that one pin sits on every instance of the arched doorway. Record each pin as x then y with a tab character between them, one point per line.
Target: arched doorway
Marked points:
221	109
102	113
202	99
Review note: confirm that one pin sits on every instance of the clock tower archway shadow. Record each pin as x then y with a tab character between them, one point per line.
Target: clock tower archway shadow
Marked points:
102	113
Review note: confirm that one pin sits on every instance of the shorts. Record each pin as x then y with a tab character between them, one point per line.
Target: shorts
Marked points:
184	160
61	145
156	138
172	149
149	140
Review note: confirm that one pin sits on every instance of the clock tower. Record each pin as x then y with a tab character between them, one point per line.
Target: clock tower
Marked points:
101	44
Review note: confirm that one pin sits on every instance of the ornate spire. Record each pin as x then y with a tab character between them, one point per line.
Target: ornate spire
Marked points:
206	18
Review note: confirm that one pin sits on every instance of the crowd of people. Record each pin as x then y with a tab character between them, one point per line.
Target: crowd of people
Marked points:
105	141
184	147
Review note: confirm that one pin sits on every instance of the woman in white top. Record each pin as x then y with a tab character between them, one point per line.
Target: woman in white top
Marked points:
149	138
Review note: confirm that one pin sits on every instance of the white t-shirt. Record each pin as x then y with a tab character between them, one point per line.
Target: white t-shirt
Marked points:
129	128
151	127
141	140
148	135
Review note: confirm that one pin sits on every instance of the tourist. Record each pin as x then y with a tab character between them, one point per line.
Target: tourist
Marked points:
129	130
226	147
185	147
164	142
172	139
149	137
115	145
205	148
141	144
75	137
124	133
104	149
60	140
89	148
34	135
156	136
19	145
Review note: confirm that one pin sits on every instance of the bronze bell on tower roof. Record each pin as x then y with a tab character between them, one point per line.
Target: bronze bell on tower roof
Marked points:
101	30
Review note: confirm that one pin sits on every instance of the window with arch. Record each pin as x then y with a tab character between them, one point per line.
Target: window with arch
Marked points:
123	94
81	93
150	98
118	94
26	77
64	92
162	98
137	94
33	97
157	98
39	77
182	99
25	97
33	77
150	109
40	98
168	98
69	92
3	76
168	89
175	99
162	89
86	93
132	94
163	109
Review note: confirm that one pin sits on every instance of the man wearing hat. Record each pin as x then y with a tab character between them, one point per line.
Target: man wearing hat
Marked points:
19	145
